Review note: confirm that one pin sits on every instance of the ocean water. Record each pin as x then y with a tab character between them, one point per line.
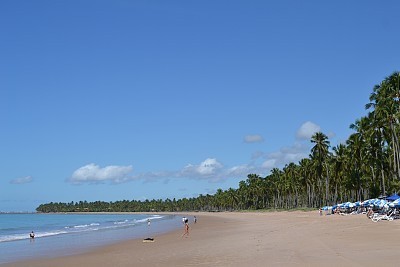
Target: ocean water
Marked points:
67	234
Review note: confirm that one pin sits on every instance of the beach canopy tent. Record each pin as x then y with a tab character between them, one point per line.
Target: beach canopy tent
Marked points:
393	197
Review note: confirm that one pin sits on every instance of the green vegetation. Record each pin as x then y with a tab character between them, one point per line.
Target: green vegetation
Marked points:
367	165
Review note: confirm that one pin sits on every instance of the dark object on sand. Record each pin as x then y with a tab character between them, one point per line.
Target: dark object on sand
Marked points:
149	239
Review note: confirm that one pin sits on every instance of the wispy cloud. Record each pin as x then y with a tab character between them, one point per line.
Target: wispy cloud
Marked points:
285	155
211	169
253	138
22	180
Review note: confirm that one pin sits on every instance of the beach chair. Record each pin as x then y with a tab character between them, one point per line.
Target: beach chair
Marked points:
389	216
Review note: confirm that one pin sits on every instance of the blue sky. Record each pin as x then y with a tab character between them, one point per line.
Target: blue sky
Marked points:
113	100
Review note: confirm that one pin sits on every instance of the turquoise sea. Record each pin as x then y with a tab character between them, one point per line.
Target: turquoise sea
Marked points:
66	234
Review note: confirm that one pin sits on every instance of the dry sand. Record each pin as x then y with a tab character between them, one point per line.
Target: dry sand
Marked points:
254	239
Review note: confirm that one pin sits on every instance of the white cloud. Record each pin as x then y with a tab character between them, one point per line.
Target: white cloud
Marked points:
269	164
22	180
92	173
253	138
213	171
286	155
307	130
207	168
210	169
241	170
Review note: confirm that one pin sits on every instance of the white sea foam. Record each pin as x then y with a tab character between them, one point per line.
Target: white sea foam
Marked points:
15	237
121	222
81	226
7	238
154	217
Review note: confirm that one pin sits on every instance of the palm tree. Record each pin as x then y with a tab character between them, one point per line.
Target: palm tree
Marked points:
385	102
320	154
306	178
339	161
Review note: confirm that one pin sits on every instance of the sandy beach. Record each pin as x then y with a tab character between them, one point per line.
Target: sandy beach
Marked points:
253	239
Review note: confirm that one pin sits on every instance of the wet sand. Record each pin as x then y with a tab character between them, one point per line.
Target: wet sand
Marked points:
253	239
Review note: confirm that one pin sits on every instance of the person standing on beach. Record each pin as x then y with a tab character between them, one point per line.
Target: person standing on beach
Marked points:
186	233
148	222
194	219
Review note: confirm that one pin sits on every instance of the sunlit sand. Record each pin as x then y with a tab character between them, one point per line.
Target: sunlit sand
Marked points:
253	239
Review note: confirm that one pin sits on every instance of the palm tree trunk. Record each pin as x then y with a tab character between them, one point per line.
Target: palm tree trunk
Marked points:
327	184
383	181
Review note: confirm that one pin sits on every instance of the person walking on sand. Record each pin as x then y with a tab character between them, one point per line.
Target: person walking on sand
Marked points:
194	219
186	233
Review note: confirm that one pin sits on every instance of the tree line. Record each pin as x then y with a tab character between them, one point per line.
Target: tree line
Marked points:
365	166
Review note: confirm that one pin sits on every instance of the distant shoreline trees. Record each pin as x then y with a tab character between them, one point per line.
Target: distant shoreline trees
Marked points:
366	166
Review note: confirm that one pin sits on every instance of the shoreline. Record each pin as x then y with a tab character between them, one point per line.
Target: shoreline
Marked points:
294	238
63	234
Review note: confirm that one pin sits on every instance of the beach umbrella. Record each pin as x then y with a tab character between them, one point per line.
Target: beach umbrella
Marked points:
380	203
393	197
373	200
376	202
395	204
368	202
348	205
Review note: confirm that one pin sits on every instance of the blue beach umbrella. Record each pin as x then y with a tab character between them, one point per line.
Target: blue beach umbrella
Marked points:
369	202
376	202
348	205
395	204
393	197
380	203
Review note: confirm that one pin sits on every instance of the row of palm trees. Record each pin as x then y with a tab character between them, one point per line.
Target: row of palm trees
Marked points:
365	166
